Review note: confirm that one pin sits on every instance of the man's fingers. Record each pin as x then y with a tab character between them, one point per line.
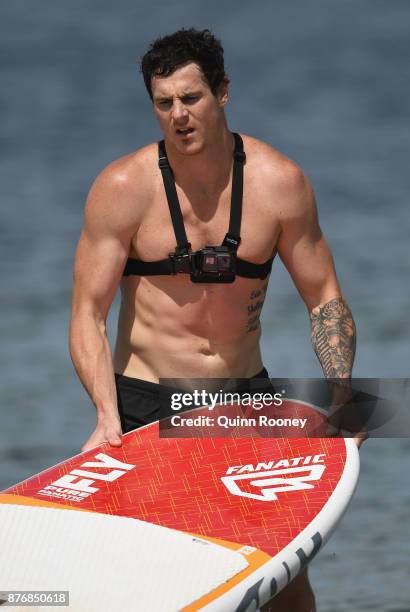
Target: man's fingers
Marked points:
115	440
332	431
360	438
113	434
104	432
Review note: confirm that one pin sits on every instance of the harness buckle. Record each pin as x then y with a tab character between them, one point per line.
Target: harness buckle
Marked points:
181	260
239	155
163	162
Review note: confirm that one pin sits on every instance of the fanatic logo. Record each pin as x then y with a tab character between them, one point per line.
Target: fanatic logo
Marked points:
264	483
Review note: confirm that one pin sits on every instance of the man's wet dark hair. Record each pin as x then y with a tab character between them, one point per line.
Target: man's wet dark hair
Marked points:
168	53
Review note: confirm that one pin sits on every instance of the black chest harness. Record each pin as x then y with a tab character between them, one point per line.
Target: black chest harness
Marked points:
212	264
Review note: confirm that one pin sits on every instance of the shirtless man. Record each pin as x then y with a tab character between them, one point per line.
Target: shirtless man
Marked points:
170	326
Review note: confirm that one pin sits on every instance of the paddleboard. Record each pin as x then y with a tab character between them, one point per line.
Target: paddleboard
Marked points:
219	522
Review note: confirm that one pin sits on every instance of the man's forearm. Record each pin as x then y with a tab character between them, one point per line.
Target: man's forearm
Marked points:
92	359
334	338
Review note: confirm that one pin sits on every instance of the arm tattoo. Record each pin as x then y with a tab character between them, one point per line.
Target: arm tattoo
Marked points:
334	338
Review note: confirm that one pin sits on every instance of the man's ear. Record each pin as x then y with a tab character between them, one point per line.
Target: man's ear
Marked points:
223	92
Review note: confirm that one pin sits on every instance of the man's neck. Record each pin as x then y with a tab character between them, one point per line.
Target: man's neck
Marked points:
210	169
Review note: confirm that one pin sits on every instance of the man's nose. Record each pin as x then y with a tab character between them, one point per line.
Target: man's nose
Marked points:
179	111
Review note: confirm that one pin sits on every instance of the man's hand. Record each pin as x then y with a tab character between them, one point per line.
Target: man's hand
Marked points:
343	413
360	438
108	429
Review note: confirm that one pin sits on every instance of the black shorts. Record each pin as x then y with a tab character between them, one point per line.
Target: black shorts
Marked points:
139	401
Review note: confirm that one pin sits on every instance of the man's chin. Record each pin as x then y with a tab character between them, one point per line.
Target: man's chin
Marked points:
189	147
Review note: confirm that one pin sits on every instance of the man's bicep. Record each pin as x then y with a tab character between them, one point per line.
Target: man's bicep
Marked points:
98	268
305	252
311	266
111	218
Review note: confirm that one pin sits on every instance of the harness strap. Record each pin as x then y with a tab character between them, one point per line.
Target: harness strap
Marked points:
232	239
165	267
172	197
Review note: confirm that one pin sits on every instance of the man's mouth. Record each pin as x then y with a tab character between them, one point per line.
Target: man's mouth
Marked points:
184	131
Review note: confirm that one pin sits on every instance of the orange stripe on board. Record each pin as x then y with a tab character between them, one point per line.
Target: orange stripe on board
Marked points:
22	500
255	559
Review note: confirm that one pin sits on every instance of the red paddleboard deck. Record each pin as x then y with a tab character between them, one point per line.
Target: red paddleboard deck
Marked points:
177	524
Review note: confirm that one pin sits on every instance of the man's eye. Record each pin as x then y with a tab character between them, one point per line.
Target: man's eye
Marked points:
189	99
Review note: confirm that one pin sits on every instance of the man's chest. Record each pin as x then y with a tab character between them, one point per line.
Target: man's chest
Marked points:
206	222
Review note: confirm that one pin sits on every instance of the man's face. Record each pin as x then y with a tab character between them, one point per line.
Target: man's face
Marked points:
188	112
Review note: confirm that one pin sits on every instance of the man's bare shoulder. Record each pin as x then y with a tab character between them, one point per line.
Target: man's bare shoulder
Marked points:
124	188
272	164
280	176
131	173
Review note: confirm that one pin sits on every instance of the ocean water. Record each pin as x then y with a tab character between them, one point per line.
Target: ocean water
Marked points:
325	82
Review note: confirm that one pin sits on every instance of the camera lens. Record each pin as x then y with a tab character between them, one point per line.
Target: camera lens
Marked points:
224	261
